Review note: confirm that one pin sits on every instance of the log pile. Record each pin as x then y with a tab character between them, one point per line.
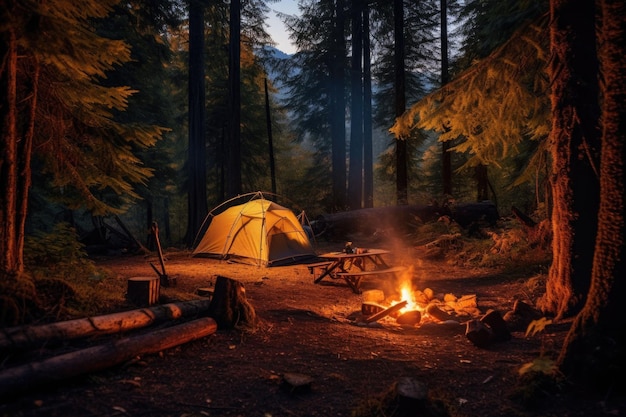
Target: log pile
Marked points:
179	323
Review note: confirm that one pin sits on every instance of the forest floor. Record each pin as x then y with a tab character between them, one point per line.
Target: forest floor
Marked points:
314	330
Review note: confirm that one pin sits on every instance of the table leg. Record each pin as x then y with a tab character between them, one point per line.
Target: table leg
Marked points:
330	269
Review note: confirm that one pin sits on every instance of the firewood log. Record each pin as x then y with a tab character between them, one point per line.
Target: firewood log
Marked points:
498	326
478	333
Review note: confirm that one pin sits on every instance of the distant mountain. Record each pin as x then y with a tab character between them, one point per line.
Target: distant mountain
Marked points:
277	53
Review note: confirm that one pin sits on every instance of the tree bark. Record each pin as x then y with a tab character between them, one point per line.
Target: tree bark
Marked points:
233	169
337	118
573	145
368	151
23	337
196	193
402	184
10	264
229	306
593	353
355	177
19	379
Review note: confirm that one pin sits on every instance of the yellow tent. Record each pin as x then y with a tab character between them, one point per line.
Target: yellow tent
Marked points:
259	232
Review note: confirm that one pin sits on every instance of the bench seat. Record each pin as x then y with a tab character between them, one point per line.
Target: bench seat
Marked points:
353	279
318	268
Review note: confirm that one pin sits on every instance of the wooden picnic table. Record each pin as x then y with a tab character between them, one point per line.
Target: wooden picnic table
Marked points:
341	263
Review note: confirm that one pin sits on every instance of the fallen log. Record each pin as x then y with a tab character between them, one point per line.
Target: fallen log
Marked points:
21	378
371	220
29	336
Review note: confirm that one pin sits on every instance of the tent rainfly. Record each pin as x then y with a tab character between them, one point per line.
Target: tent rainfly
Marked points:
259	232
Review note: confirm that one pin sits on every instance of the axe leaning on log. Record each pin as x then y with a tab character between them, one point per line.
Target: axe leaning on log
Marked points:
166	281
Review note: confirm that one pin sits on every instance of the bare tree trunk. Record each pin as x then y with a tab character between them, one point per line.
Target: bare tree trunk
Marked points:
446	156
402	184
368	151
233	169
197	200
593	352
573	144
9	248
355	177
338	109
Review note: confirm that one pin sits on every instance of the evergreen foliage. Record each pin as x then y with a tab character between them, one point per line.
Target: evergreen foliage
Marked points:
493	108
87	151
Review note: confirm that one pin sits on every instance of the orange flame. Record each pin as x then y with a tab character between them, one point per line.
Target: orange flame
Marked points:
407	294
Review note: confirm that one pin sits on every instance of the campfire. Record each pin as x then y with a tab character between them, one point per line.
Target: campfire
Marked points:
412	307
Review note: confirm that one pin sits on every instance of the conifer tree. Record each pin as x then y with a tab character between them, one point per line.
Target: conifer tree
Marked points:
56	107
196	158
593	353
419	52
317	94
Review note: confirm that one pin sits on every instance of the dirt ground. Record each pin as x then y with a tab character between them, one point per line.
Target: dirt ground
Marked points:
315	330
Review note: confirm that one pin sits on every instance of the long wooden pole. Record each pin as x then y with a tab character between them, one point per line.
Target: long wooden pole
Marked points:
21	378
28	336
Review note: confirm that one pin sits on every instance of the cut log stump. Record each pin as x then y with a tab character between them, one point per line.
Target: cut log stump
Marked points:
143	291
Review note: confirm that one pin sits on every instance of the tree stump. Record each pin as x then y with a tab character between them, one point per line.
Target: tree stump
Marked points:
143	291
229	306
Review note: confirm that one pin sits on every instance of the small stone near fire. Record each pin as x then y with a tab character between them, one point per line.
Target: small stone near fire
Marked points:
373	296
296	383
411	388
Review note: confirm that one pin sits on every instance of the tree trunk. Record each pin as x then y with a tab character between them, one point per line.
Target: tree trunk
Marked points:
402	184
338	109
23	337
9	235
196	193
233	170
270	138
355	177
446	155
573	145
593	352
20	378
368	151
